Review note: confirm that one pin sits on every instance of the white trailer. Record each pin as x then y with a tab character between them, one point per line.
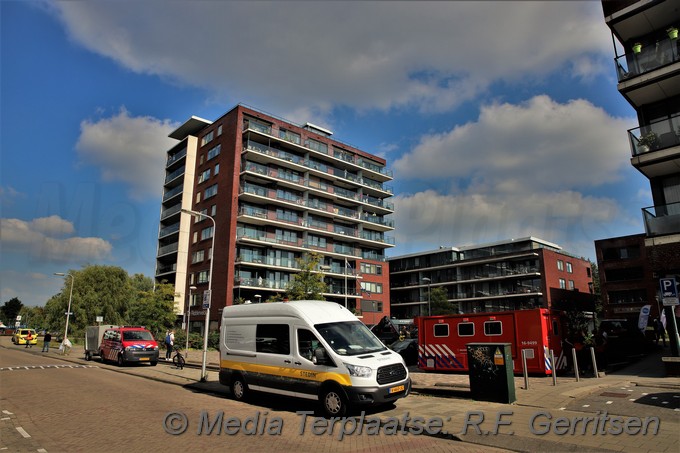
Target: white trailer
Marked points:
93	338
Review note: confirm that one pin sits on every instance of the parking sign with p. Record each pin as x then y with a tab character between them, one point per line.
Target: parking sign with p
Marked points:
669	292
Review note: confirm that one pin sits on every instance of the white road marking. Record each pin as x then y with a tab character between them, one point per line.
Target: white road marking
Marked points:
23	432
609	402
7	413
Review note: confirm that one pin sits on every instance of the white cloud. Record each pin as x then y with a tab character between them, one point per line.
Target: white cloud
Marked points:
128	149
365	55
519	170
8	195
539	145
40	239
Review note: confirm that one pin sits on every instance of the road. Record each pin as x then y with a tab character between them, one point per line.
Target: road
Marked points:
50	405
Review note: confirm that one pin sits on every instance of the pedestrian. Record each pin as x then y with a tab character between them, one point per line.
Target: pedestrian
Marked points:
65	346
660	333
46	342
169	341
29	338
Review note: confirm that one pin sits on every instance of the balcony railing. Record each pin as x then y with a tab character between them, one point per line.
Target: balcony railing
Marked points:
655	136
662	220
175	157
649	58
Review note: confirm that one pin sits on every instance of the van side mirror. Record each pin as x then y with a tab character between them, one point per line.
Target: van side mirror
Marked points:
321	357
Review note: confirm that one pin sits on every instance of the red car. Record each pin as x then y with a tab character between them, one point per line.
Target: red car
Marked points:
128	344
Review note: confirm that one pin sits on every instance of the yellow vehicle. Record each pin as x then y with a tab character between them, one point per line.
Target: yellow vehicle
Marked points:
20	335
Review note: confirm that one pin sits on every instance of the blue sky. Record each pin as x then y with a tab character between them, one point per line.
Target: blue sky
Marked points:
499	120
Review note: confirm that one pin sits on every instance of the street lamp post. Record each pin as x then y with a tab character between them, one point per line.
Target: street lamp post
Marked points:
207	309
186	314
70	298
428	281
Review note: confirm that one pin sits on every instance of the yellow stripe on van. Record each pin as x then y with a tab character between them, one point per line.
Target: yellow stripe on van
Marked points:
287	372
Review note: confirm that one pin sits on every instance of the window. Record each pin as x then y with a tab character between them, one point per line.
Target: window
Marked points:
214	152
441	330
217	169
466	329
571	284
219	130
207	233
198	197
195	238
210	191
373	288
560	265
307	343
289	136
202	277
204	176
317	146
213	210
272	338
374	269
207	138
563	284
556	327
197	257
493	328
569	268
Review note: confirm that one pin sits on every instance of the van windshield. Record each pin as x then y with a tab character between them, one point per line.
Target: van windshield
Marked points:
137	335
349	338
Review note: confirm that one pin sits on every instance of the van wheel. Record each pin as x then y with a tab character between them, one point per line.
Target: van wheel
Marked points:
154	363
121	362
88	356
333	402
239	388
101	356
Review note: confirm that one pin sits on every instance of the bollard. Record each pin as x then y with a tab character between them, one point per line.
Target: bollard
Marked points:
554	367
592	356
524	369
573	356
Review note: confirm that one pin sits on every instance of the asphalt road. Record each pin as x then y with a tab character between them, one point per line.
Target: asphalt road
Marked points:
49	405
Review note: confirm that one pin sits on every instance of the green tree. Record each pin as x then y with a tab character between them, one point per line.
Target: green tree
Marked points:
153	309
10	310
439	303
308	283
97	291
33	317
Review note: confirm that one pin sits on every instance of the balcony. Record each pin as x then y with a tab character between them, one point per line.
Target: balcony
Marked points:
662	220
656	147
176	157
168	230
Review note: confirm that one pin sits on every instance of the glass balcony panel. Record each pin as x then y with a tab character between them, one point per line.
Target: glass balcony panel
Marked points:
662	220
655	136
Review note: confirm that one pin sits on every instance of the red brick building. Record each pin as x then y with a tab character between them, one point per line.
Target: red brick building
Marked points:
275	191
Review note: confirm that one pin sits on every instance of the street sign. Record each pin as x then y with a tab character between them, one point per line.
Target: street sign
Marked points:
669	292
206	299
19	318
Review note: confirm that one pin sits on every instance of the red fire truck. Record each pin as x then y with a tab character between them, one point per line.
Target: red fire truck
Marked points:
442	339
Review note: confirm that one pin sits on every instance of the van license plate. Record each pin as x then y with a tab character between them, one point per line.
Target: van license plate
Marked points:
399	388
143	358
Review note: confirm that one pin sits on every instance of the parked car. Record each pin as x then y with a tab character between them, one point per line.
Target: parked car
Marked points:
407	349
20	335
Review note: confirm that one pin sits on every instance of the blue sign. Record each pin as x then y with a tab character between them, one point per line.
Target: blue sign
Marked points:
669	291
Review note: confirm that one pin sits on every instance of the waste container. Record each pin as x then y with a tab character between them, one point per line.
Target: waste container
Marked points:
490	370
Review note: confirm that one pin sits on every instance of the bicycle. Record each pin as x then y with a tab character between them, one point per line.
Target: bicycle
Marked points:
178	359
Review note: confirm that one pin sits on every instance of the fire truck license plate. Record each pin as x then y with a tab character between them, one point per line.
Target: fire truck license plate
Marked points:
399	388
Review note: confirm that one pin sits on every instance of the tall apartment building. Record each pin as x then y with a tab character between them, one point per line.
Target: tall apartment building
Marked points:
515	274
271	191
649	79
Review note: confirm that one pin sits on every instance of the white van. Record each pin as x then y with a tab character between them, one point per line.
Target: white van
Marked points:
308	349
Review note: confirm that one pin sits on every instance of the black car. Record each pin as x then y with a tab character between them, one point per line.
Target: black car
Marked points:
407	349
